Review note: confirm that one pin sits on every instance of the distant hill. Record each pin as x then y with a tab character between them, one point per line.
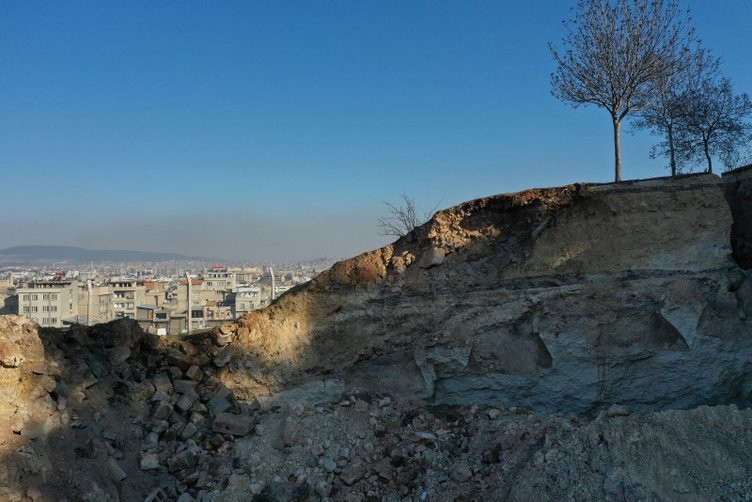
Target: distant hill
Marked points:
37	254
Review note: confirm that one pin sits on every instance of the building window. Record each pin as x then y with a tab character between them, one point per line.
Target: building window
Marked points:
26	297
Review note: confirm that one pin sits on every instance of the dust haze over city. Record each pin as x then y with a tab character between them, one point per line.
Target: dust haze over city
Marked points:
375	251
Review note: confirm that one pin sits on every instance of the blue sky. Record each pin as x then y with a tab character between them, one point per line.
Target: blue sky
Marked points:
257	130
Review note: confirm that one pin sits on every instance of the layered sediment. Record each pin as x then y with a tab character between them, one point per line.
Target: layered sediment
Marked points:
562	300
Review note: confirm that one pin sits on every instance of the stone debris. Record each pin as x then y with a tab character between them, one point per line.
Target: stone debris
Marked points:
220	401
227	423
149	461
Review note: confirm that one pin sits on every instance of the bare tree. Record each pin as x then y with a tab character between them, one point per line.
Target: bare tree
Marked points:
613	51
402	218
664	114
715	122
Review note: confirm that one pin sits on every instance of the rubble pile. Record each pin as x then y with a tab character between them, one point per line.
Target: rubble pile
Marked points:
361	448
123	410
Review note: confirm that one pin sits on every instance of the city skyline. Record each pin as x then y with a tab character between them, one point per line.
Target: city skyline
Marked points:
254	131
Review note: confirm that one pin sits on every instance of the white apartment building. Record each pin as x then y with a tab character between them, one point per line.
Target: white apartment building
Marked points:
48	303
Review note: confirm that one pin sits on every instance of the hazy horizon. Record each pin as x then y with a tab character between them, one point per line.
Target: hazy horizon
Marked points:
254	131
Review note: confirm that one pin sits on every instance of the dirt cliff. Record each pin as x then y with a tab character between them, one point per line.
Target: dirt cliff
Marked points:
561	300
587	342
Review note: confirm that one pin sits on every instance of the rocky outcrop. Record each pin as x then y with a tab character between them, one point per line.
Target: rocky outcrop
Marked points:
561	300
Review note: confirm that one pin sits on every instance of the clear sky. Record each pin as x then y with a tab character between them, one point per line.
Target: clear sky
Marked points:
259	130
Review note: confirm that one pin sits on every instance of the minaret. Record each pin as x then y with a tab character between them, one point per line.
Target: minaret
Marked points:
271	296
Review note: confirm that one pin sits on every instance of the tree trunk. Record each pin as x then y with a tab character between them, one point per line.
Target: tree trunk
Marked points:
617	149
671	149
707	156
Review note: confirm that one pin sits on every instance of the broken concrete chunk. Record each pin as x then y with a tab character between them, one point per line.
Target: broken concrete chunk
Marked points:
151	439
188	431
162	383
149	461
227	423
175	372
222	358
194	373
173	431
182	386
159	426
183	460
211	382
186	400
160	396
197	419
162	410
188	348
179	359
221	401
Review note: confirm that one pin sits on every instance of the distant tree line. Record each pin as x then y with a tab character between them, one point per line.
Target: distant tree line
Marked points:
642	59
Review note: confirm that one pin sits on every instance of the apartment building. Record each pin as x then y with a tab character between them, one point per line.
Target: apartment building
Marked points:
126	295
94	303
249	298
221	280
8	298
154	293
246	275
48	303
